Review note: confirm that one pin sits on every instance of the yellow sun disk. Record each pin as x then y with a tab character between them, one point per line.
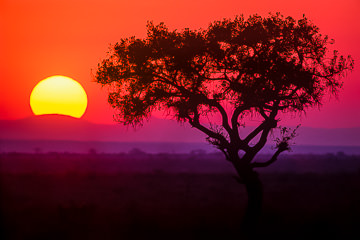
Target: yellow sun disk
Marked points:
58	95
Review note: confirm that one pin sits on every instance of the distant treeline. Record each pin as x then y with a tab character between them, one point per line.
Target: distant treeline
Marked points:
136	160
65	146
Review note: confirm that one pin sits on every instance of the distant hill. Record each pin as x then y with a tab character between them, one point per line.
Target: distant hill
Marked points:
57	127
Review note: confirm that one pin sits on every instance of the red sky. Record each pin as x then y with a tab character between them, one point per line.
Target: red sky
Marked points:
40	38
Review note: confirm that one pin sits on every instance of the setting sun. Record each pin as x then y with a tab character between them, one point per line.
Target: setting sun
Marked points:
58	95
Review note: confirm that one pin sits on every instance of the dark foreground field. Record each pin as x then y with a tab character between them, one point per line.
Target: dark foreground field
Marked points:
89	204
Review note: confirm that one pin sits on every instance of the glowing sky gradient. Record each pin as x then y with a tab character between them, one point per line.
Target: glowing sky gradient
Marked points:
40	38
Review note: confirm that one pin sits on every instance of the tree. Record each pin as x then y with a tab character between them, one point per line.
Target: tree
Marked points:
259	66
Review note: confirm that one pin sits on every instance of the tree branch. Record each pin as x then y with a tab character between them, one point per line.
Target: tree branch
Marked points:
226	154
210	102
224	116
262	112
255	132
268	124
235	117
195	122
267	163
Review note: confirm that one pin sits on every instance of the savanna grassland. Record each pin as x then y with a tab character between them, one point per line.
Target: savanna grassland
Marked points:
169	196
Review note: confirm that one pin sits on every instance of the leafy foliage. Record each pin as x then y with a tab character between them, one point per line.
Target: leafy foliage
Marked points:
259	65
286	136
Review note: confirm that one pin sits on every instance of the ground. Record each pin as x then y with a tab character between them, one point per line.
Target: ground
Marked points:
76	204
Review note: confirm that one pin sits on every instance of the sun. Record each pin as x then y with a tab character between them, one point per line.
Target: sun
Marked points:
58	95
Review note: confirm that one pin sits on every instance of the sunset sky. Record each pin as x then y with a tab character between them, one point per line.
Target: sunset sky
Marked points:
41	38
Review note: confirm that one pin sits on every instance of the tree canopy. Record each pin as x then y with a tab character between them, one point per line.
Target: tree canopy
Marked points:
235	67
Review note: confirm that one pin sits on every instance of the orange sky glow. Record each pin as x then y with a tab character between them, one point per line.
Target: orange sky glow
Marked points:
41	38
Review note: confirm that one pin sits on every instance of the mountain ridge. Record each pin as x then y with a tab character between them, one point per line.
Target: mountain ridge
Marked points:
57	127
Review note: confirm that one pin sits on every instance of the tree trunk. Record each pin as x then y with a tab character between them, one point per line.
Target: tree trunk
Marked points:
254	191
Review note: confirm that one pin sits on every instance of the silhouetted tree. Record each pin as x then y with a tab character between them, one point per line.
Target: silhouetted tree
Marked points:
238	68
